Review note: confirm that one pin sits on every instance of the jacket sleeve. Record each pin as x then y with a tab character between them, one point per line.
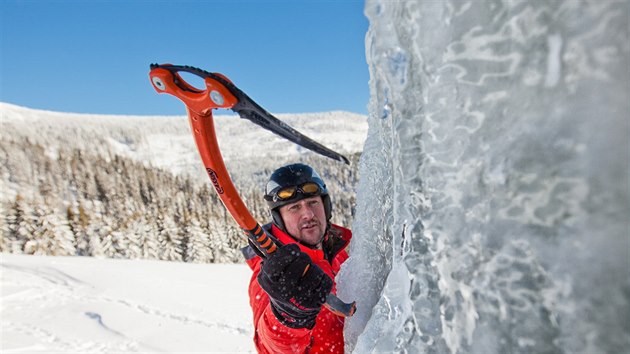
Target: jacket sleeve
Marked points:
271	336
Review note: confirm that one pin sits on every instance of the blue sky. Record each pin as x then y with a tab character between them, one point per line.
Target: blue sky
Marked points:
94	56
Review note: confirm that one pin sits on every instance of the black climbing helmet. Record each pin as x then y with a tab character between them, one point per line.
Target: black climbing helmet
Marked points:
291	183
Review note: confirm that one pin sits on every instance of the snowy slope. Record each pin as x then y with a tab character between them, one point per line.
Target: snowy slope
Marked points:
88	305
166	142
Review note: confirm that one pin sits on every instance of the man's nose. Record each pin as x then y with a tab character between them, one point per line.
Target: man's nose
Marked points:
307	213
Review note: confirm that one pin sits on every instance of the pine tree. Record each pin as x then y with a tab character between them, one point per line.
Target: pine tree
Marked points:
78	221
63	238
122	245
41	239
129	241
5	242
13	219
108	240
96	248
22	224
168	238
147	234
219	243
197	250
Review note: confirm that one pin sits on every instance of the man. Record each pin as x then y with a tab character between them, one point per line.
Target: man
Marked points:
288	289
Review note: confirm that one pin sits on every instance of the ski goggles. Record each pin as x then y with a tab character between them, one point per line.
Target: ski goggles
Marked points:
307	189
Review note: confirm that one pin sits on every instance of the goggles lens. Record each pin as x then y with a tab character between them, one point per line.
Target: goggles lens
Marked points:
309	188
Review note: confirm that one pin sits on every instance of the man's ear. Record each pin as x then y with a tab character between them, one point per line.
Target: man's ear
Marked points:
277	219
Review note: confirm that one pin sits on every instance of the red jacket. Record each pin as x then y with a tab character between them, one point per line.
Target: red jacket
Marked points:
270	335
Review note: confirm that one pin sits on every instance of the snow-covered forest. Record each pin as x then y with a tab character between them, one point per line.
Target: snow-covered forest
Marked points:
133	187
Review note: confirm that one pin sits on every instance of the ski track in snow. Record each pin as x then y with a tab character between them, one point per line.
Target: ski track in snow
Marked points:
65	345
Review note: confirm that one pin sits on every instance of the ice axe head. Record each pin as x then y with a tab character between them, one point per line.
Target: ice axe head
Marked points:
166	79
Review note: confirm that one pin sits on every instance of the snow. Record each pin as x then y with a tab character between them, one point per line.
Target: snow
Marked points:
89	305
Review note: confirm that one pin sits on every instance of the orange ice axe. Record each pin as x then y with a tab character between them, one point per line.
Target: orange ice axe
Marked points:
220	92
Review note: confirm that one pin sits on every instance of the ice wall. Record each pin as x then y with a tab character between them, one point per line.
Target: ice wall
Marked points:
493	209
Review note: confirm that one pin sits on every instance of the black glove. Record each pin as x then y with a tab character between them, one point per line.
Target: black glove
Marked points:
296	297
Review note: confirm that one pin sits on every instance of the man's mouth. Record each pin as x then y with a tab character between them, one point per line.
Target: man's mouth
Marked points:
309	225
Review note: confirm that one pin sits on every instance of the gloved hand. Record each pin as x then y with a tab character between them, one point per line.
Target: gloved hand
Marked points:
296	297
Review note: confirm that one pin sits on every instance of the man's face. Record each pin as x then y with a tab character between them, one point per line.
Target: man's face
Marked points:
305	220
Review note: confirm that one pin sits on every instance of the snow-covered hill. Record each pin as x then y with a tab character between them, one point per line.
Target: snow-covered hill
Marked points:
166	142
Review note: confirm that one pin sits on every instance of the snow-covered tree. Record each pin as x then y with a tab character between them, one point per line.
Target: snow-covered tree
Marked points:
22	224
109	241
5	243
41	239
146	234
63	243
197	250
168	237
219	243
79	221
